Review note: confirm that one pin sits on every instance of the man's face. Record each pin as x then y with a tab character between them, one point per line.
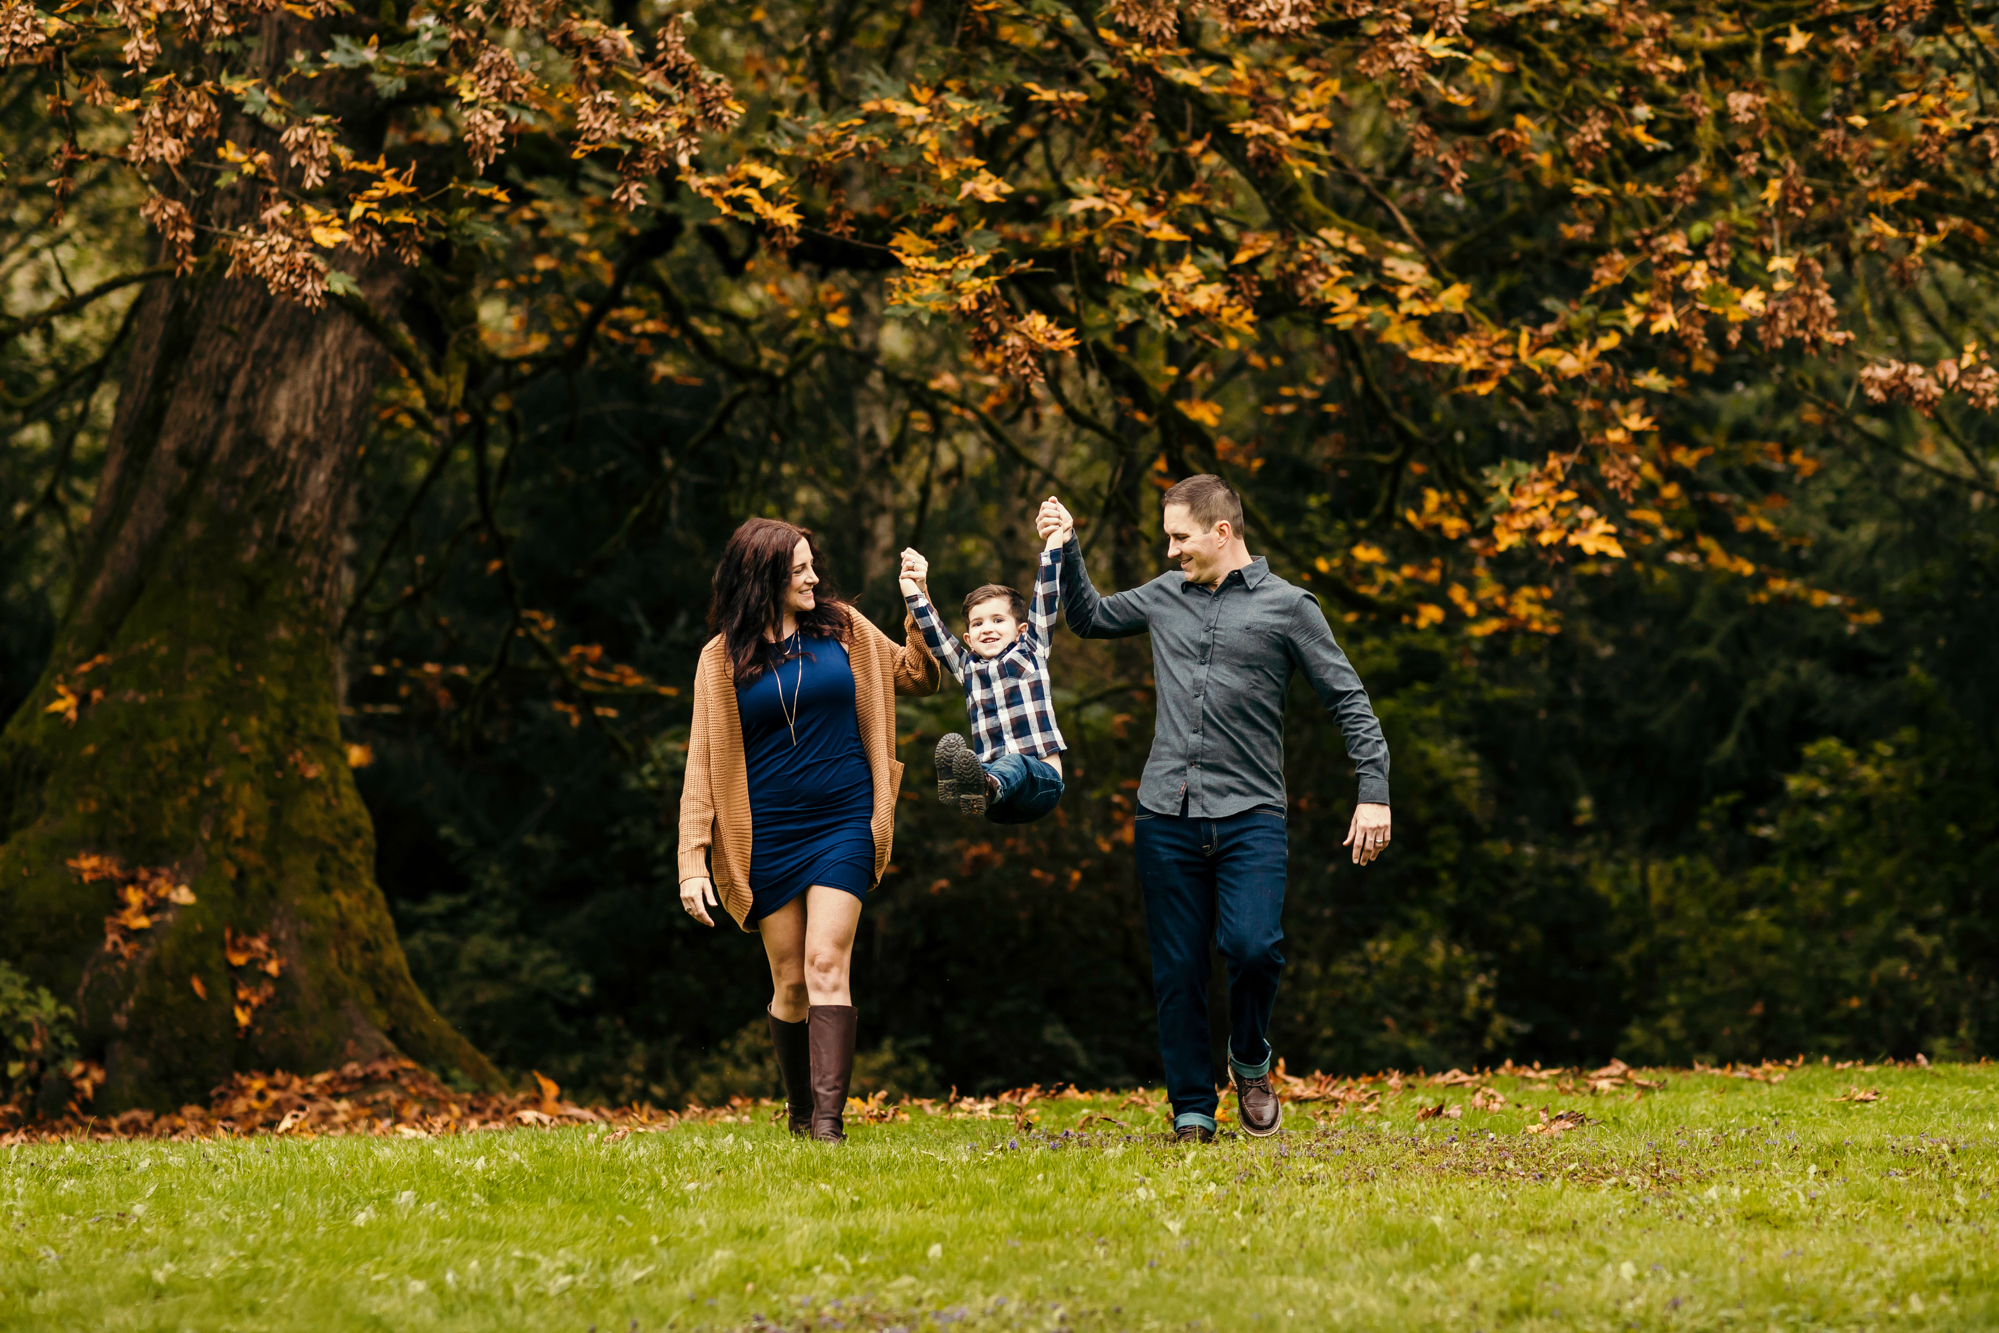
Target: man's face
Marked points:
990	626
1197	552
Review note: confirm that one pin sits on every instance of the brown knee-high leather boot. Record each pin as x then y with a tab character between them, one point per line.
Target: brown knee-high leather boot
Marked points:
832	1036
794	1063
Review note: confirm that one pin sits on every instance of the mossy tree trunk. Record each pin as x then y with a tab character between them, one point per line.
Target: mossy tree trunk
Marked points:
199	650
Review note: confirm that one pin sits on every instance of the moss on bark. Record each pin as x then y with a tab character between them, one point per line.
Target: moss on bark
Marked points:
205	736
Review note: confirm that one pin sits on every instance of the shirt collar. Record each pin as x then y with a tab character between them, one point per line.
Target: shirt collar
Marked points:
1253	573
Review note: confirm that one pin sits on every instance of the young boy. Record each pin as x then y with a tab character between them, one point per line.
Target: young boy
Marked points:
1012	771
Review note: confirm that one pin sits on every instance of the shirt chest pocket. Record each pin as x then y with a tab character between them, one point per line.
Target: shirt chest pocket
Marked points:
1014	668
1247	646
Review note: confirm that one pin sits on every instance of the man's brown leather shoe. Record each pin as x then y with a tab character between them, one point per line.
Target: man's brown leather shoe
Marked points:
1257	1105
1194	1134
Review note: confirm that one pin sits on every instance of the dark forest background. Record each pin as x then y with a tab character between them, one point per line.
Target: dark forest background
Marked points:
1688	827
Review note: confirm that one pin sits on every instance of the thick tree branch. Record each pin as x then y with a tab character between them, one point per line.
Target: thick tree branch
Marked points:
13	329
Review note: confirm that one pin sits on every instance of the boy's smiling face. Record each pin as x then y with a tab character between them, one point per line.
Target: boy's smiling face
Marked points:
990	626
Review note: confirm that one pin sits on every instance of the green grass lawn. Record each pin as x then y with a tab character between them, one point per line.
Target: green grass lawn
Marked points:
1715	1202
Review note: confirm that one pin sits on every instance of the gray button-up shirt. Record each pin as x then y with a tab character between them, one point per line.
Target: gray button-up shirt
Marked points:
1222	659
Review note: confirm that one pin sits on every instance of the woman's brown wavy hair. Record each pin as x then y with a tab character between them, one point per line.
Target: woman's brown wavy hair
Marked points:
749	588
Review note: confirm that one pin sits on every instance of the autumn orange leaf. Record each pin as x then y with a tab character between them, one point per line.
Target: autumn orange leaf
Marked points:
550	1090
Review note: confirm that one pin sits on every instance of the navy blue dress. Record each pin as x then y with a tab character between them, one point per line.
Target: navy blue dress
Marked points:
812	795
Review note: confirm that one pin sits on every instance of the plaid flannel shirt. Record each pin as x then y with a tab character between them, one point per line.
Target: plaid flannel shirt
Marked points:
1006	696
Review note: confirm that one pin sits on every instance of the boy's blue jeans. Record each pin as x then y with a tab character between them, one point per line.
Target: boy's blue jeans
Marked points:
1028	789
1220	880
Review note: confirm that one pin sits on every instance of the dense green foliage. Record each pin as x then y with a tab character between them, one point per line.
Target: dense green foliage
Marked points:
1715	1202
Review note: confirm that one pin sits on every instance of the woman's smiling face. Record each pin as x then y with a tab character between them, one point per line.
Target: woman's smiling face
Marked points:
798	594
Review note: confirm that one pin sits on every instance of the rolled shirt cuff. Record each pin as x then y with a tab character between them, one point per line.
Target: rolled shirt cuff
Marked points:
1253	1071
1373	791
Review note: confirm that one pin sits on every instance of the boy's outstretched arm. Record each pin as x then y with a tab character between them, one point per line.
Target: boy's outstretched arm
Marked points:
911	578
1118	616
1046	597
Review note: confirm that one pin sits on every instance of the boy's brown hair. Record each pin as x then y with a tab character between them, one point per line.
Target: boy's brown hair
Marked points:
1209	501
997	592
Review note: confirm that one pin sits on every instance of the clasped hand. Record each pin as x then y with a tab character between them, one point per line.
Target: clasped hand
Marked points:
914	576
1054	523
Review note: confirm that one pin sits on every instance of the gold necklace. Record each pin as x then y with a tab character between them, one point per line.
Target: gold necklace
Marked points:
797	693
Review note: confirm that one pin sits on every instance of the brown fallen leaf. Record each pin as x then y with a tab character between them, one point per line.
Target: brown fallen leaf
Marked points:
1440	1110
1858	1094
200	990
1488	1100
1562	1122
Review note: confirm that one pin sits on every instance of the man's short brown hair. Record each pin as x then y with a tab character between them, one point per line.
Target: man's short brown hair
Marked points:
1209	501
997	592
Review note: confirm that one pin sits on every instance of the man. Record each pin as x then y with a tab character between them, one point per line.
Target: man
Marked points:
1226	636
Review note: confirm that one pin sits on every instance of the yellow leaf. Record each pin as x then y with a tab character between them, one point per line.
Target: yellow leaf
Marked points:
1599	538
985	187
1369	553
1796	41
1772	190
1201	410
1880	227
1428	614
359	756
200	990
329	237
1253	244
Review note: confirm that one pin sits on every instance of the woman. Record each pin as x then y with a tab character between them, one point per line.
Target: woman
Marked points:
791	786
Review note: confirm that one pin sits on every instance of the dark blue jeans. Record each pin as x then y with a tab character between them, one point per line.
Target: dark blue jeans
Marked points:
1028	789
1219	879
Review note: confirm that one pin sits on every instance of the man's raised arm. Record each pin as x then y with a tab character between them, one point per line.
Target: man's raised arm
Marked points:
1118	616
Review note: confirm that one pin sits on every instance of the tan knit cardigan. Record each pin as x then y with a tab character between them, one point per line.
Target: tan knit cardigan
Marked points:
715	796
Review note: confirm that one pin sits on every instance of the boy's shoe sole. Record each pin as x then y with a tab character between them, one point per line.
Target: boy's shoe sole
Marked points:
948	750
970	776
